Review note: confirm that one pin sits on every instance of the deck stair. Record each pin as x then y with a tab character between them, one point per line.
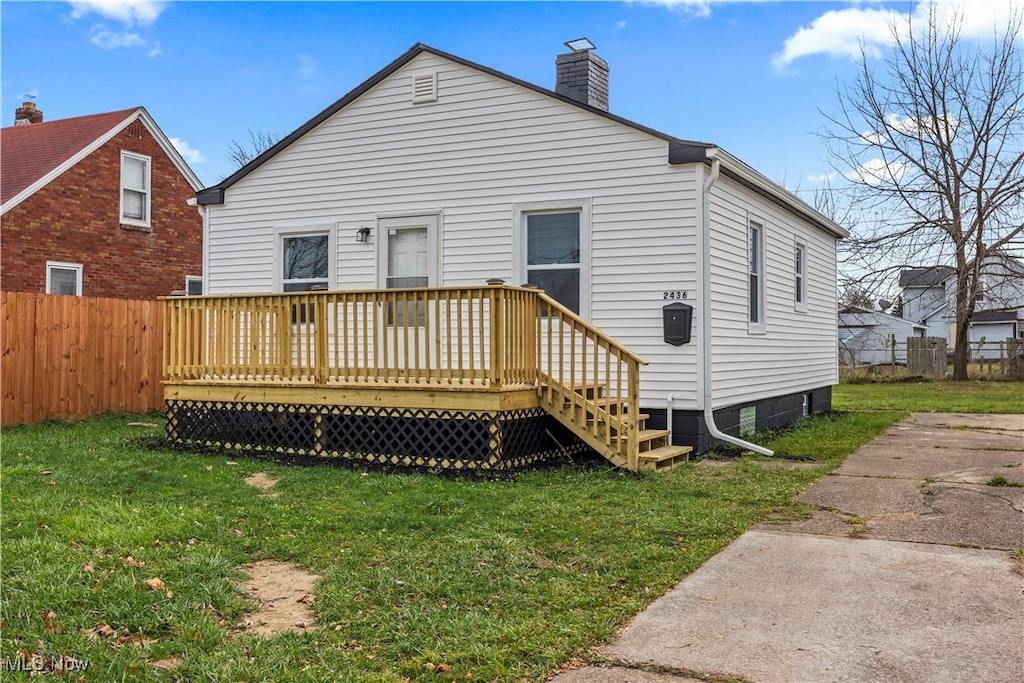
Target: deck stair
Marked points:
594	417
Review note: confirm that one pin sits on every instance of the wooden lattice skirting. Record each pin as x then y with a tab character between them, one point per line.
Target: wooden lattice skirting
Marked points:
458	440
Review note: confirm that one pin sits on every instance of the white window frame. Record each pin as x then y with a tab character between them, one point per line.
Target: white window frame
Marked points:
62	265
756	268
520	212
147	190
190	279
800	277
283	232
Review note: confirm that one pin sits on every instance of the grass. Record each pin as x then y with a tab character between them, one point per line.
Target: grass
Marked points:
925	396
496	580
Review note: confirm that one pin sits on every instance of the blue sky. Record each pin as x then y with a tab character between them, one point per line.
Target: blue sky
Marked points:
748	76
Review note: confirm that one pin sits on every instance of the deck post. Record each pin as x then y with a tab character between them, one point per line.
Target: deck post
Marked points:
320	328
497	294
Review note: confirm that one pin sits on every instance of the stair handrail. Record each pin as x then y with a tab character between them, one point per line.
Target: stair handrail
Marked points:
586	397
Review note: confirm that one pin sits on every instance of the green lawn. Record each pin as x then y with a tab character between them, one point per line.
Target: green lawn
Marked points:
941	397
497	580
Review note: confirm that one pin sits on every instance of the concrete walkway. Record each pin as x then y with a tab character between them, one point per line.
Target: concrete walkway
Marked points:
906	572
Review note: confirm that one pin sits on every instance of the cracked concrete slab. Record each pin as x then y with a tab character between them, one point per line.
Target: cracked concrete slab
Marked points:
904	573
778	606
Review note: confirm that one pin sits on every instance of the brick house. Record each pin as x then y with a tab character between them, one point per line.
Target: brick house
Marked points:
97	205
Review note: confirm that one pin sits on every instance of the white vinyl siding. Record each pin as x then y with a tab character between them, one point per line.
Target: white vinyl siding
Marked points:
796	352
63	278
135	189
483	148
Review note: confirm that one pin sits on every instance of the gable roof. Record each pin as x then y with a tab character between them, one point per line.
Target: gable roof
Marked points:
925	277
35	154
680	151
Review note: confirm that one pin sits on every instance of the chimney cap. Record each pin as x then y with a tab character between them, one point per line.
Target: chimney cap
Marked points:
580	45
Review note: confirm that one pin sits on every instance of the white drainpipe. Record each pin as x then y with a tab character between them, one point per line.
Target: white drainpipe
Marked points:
709	416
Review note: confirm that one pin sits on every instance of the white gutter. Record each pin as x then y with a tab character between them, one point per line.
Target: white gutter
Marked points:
709	415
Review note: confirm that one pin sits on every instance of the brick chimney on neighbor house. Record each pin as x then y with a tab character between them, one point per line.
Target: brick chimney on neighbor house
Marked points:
582	75
26	114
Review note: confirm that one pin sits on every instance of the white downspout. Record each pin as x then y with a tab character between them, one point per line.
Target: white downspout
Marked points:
709	416
204	212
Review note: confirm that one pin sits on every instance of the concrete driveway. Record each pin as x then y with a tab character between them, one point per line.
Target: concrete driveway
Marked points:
906	572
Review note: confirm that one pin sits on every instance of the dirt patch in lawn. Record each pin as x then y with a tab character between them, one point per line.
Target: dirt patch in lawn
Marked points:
261	480
284	594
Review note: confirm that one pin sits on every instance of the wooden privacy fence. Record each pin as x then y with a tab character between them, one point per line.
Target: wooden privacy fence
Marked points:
72	357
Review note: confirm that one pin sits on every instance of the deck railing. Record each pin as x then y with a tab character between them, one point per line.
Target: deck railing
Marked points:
489	337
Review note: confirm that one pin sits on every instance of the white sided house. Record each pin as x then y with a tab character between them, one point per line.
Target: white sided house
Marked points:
441	173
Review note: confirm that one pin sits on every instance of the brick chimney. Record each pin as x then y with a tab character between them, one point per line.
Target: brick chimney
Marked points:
26	114
582	75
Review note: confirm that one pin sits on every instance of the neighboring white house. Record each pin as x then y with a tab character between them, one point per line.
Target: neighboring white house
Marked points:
441	172
872	337
928	295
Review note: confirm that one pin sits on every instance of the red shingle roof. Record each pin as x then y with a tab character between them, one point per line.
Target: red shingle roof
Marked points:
27	153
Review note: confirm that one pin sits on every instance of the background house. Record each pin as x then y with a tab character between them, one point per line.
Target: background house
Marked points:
871	337
97	205
928	296
441	172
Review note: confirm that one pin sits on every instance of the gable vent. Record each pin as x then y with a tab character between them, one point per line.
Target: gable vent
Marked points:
424	88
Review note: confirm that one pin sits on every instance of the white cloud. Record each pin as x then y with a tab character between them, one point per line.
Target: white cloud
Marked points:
878	171
155	50
696	8
112	40
308	67
839	33
842	33
190	155
128	12
822	178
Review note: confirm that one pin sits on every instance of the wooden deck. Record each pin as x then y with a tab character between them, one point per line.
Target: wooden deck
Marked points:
495	353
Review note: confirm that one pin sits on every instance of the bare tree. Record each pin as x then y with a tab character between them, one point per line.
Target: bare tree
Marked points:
242	153
933	148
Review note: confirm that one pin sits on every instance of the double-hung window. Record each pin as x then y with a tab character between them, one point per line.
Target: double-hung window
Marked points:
305	262
553	256
755	289
63	278
135	189
800	280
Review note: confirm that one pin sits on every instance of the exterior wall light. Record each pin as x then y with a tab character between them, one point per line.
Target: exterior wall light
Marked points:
363	234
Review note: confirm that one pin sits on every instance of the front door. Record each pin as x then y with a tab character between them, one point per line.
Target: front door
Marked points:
408	257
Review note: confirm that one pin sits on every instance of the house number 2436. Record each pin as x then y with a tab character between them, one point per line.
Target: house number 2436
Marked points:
675	294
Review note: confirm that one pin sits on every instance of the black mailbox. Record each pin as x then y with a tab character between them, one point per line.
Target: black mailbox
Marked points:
677	321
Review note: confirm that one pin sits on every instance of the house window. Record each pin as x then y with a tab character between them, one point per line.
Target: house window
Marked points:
135	186
553	256
800	283
756	280
305	262
193	285
63	278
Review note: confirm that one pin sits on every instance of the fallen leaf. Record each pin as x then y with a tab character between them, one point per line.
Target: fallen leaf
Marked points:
52	482
89	567
441	668
50	621
170	595
168	663
156	584
46	473
307	598
132	562
99	631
